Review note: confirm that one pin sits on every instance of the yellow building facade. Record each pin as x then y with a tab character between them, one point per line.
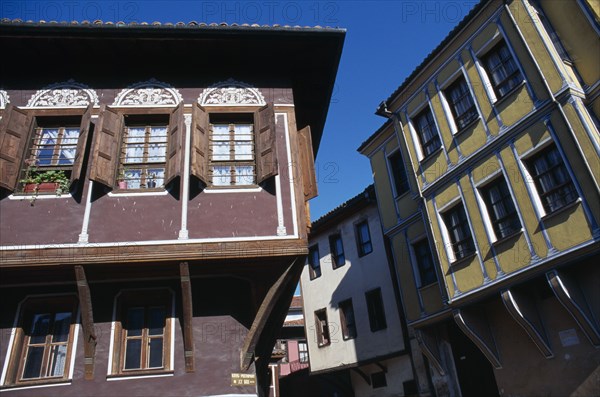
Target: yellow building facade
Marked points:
488	182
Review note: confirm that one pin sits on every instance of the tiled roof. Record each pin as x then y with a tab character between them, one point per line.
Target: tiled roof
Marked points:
165	25
365	197
297	302
293	323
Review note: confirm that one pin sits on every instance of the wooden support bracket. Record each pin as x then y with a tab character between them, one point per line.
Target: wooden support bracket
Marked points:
87	322
188	329
475	325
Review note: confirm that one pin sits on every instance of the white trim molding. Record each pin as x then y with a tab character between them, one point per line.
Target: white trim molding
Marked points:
4	99
66	94
148	93
231	93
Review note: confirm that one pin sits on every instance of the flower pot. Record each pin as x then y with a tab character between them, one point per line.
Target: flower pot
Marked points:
44	187
122	184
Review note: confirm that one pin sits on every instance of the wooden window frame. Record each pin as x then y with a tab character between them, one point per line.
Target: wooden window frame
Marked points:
360	244
470	114
349	330
459	253
314	268
512	80
424	273
431	145
376	310
338	259
505	200
31	306
322	328
146	298
399	173
303	358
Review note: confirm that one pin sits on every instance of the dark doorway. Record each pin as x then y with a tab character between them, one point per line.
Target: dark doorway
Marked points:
475	373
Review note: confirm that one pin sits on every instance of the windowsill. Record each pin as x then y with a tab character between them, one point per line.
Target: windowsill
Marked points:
430	155
338	266
36	383
465	259
469	125
348	338
561	209
137	192
39	196
507	238
509	93
140	374
229	189
427	286
360	255
314	278
323	344
401	195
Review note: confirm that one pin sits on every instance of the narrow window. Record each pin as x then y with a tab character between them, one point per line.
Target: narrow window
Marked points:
322	327
461	103
399	174
43	341
363	238
303	351
232	160
336	246
502	69
425	263
551	179
427	132
460	234
378	380
377	319
347	319
143	332
314	262
501	208
143	152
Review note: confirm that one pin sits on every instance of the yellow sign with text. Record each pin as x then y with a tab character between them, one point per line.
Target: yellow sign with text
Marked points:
243	379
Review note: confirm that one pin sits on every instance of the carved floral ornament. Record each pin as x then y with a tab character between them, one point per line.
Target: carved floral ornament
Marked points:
65	94
150	92
3	99
231	92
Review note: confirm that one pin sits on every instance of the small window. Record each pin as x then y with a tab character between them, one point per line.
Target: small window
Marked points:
551	178
363	238
43	343
427	132
460	235
143	332
378	380
502	69
232	150
336	246
375	308
501	208
461	103
314	262
399	174
347	319
143	152
425	263
322	327
303	351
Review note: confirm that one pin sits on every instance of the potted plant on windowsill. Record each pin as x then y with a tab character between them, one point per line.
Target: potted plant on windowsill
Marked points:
44	181
122	183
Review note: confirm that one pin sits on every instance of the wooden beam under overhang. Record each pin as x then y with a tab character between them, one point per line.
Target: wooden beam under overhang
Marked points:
522	308
360	373
188	328
572	297
87	322
428	342
473	322
267	311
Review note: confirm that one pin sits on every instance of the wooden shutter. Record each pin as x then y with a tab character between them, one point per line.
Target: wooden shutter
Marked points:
200	143
307	163
264	136
84	129
105	156
175	135
15	127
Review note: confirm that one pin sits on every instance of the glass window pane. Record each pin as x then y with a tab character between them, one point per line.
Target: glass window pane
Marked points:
244	175
156	177
156	320
62	323
133	351
33	362
220	132
135	321
156	353
133	178
39	328
221	175
68	146
243	150
221	151
58	355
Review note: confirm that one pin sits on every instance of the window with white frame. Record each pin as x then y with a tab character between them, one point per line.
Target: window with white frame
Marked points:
461	103
502	69
336	247
232	149
500	208
44	341
427	132
551	178
303	351
457	225
314	262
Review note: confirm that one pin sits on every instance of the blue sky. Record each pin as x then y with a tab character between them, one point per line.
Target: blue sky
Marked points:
385	41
